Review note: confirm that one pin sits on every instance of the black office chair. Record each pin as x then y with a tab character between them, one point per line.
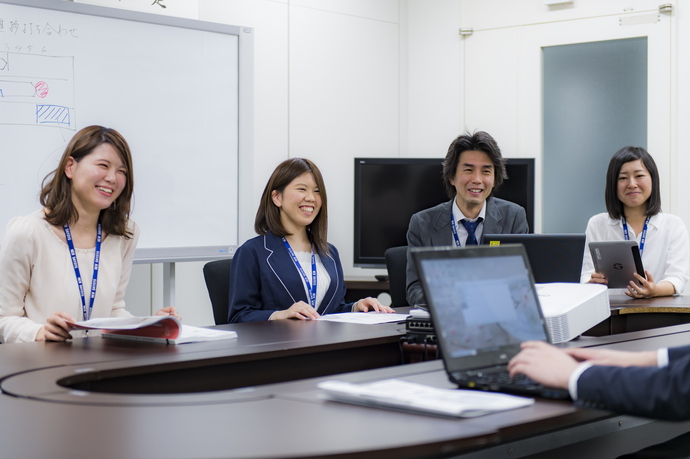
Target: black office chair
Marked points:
217	277
396	263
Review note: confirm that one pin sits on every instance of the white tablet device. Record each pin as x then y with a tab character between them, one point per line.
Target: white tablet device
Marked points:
617	260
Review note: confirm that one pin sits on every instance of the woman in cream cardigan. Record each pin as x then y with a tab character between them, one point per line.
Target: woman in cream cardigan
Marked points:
72	259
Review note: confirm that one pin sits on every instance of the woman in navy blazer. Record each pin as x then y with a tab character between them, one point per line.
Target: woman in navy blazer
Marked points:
289	271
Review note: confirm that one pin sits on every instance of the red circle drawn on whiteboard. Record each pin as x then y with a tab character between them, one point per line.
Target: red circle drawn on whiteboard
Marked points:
41	89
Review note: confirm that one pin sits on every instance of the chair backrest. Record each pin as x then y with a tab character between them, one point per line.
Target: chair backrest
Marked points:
217	277
396	263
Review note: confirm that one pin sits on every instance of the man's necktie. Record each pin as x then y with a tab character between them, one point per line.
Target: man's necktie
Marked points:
471	228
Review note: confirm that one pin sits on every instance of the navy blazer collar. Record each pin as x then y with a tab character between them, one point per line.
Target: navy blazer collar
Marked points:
280	262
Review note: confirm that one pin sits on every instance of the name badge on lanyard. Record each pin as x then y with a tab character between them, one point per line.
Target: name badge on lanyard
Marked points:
77	273
310	287
642	238
455	230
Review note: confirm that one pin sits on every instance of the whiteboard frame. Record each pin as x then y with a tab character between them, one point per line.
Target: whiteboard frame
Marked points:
245	106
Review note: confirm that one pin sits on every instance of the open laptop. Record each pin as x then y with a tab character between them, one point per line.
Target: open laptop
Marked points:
553	257
483	304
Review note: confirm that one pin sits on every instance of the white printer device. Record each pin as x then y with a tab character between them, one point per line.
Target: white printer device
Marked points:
571	309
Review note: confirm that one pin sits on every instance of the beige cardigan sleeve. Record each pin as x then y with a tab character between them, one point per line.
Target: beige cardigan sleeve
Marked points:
37	278
18	253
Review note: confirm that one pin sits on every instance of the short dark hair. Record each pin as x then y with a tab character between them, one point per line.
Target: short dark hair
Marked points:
626	154
479	141
56	192
268	215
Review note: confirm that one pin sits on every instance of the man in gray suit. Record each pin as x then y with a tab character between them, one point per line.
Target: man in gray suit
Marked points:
472	168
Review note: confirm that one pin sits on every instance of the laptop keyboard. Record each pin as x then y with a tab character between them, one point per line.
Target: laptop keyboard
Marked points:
501	381
500	378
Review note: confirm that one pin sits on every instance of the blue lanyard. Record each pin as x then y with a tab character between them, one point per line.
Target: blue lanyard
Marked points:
455	230
310	287
644	233
77	273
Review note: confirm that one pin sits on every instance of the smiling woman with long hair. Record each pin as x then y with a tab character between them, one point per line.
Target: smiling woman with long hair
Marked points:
289	271
72	259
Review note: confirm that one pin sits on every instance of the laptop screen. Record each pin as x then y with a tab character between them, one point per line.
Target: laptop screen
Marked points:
552	257
482	300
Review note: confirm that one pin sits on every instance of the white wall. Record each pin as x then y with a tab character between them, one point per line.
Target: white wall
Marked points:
502	80
336	79
680	116
328	87
434	68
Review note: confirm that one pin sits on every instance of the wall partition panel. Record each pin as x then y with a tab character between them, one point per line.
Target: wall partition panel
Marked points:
594	103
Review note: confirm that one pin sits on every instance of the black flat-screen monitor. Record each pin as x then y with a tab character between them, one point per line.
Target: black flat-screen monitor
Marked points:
389	190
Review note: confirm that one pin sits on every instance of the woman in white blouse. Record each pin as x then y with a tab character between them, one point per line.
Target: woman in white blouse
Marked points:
633	202
72	259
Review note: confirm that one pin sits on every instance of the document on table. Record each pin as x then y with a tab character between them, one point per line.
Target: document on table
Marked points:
402	395
159	329
364	317
187	334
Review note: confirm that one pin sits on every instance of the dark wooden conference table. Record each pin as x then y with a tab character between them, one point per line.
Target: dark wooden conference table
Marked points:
248	398
628	314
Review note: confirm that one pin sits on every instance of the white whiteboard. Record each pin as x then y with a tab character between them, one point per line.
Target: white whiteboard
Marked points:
170	86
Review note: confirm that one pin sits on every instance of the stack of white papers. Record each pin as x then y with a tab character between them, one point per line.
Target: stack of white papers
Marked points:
407	396
364	317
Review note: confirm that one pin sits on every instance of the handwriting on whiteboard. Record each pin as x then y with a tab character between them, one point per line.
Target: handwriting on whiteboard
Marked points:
18	27
36	90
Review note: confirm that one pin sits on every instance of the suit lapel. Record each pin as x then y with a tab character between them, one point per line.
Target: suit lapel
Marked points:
442	233
280	262
492	224
326	303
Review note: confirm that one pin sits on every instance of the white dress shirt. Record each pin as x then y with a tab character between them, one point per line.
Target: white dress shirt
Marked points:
323	280
666	250
462	232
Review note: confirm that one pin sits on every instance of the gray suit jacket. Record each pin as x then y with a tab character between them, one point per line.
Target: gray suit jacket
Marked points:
431	228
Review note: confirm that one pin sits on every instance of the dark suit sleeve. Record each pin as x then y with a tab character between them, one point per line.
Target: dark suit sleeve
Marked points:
662	393
675	353
414	288
246	303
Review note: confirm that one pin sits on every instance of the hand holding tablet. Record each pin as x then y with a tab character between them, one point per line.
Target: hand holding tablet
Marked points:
617	261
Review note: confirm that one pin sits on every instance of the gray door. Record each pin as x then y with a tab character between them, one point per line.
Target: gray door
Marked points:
595	102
